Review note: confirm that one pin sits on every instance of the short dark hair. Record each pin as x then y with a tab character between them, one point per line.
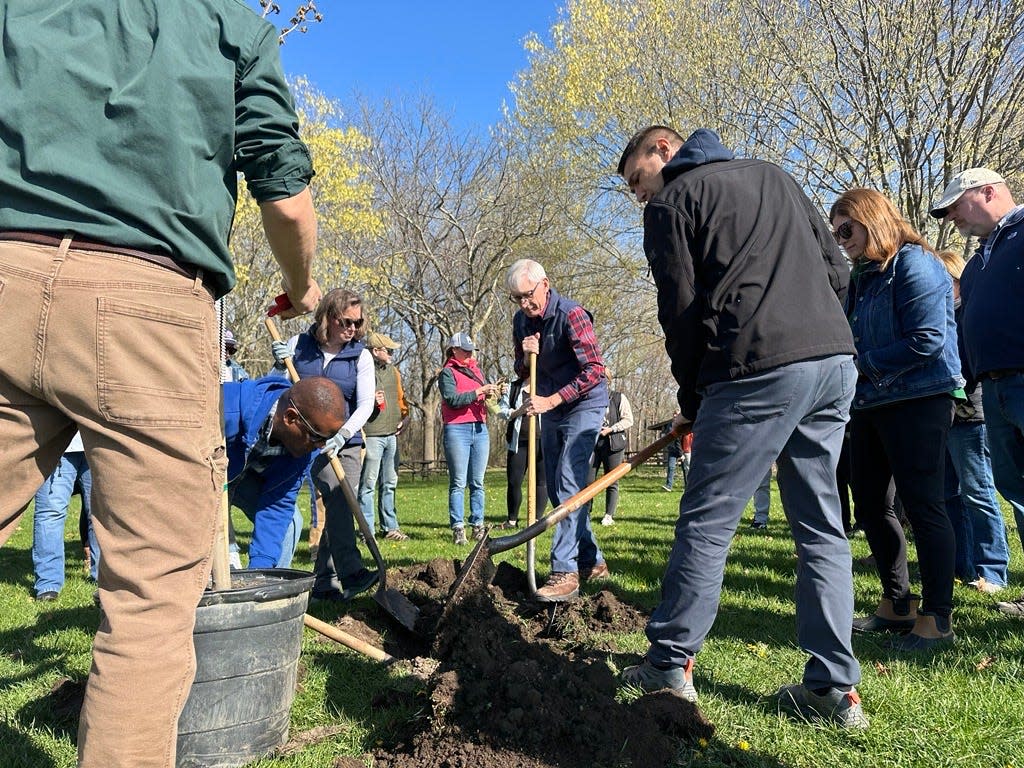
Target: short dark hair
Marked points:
640	137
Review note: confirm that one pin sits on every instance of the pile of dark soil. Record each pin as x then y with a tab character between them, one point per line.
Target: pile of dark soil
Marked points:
518	686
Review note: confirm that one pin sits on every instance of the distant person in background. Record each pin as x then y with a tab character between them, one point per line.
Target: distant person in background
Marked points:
982	553
610	450
51	511
512	406
762	502
467	444
233	370
673	453
381	432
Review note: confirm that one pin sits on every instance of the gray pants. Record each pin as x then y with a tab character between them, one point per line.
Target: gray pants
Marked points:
337	558
797	413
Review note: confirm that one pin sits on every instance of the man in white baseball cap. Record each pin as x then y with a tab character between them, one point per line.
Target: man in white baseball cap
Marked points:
991	321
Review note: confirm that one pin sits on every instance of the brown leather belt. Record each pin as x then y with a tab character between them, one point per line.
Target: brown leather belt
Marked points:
1000	374
77	243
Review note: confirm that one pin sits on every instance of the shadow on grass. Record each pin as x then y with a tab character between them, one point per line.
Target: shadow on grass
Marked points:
18	751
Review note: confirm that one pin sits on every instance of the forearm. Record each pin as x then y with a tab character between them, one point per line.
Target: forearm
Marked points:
290	227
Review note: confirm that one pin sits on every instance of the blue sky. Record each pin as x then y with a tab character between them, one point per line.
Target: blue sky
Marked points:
462	53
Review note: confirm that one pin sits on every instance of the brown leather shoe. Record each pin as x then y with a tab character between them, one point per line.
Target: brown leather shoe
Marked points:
560	586
597	572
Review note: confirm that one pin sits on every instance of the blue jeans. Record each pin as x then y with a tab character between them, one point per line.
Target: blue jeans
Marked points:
466	448
796	413
972	506
379	461
51	511
763	498
670	470
1004	421
568	442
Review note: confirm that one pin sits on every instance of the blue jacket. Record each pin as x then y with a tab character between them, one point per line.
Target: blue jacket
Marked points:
991	288
268	498
904	329
343	370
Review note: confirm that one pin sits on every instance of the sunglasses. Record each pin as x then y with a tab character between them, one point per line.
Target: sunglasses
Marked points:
315	437
844	231
344	322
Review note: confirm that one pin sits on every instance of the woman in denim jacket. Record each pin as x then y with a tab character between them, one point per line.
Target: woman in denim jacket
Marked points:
900	307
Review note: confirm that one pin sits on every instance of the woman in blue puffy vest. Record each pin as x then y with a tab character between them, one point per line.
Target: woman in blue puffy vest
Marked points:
333	347
900	307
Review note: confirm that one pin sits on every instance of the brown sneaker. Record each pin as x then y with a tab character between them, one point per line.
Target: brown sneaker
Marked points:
597	572
561	586
395	535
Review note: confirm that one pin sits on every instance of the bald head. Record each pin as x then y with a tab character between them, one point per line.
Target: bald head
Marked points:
309	413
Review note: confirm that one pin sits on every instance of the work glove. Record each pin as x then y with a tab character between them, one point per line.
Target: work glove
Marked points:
336	443
281	353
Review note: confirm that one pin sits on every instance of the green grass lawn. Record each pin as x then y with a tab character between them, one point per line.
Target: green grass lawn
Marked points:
963	707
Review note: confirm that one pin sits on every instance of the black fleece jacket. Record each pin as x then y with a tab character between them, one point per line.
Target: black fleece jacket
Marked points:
749	277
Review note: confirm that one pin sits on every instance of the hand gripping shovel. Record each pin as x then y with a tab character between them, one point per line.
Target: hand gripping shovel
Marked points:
478	567
395	604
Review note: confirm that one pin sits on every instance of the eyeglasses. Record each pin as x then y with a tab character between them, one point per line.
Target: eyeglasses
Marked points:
844	231
344	322
315	437
519	298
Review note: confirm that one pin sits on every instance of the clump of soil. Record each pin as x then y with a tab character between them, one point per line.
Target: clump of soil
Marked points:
515	686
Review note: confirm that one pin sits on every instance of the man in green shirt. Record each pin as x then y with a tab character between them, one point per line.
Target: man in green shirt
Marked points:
124	127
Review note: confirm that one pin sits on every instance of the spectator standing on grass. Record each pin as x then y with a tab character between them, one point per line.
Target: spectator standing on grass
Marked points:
979	204
125	126
734	246
900	307
48	521
572	395
271	430
333	347
610	450
982	554
467	444
233	370
380	465
762	502
512	406
673	453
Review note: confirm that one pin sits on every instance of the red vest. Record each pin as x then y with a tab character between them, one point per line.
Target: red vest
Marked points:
476	411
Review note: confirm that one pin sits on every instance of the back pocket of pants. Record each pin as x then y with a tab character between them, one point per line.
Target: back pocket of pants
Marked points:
152	365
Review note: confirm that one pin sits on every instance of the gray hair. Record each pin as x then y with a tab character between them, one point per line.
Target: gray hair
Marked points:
527	268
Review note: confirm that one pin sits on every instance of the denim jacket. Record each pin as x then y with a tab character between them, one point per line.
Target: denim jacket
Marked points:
903	328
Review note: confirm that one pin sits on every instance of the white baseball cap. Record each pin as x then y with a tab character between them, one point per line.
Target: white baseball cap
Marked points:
463	341
963	181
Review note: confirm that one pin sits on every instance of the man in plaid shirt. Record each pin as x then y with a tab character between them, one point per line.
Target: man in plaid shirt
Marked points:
572	395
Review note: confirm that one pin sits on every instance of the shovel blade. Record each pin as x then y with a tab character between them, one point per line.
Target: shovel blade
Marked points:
398	606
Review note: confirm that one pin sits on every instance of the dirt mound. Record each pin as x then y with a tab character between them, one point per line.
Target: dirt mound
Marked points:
515	687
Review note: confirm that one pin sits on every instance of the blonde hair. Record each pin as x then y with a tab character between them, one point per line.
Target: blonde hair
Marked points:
953	261
887	230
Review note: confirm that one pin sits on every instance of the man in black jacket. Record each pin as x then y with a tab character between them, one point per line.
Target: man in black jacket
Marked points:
749	285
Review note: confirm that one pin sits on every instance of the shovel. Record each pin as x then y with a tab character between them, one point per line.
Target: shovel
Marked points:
394	603
478	567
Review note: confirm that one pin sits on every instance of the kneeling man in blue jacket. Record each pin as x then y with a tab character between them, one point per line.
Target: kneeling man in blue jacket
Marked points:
272	429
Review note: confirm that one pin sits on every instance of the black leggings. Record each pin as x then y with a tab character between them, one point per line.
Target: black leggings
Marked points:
906	441
609	460
515	471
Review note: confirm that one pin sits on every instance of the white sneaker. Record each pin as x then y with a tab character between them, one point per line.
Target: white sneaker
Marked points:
607	520
234	561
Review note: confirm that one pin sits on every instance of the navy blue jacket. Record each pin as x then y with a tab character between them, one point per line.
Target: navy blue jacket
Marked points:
991	293
268	499
904	329
343	370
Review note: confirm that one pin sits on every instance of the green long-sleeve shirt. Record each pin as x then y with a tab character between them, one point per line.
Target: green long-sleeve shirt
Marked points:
127	122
